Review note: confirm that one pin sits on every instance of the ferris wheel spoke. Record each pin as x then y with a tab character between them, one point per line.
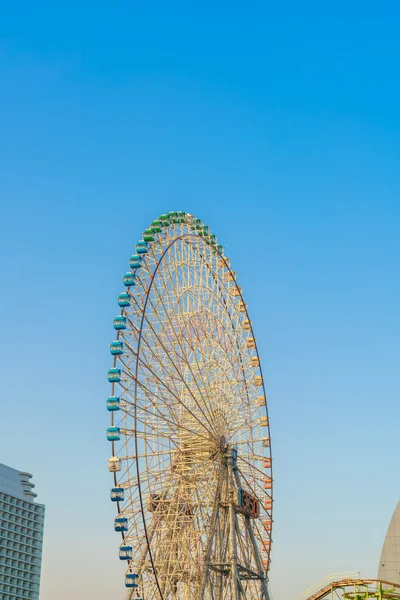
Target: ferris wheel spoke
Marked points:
162	382
184	358
176	370
191	345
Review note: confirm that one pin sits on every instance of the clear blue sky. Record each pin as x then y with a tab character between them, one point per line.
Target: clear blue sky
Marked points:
279	125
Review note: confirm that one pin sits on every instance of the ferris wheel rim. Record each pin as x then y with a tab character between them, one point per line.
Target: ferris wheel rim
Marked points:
158	262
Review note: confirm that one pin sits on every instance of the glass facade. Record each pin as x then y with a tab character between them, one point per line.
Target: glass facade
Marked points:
21	537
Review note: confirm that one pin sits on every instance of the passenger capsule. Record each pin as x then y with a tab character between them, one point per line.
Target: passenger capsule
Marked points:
119	322
266	442
254	361
267	504
155	227
142	247
267	483
112	403
130	581
261	400
129	279
117	494
135	261
264	421
257	380
113	434
116	348
124	299
242	307
121	524
125	552
114	464
148	235
251	343
267	463
114	375
246	325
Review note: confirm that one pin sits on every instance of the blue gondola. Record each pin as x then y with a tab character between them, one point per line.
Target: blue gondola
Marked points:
129	279
135	261
113	403
117	494
125	552
113	434
119	322
121	524
116	347
114	375
142	247
124	299
131	580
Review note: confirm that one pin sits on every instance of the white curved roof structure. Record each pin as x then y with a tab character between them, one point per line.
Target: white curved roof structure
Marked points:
389	566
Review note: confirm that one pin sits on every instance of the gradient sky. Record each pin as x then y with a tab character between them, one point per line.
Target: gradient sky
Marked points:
279	125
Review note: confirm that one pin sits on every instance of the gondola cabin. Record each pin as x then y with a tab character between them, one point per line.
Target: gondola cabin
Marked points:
129	279
155	226
142	247
125	553
135	261
117	494
246	325
113	403
113	434
116	348
124	299
121	524
119	322
131	580
114	464
114	375
148	235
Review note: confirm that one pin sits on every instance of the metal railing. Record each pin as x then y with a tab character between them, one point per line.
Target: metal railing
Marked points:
325	582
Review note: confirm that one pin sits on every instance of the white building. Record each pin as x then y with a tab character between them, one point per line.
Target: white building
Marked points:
389	566
21	536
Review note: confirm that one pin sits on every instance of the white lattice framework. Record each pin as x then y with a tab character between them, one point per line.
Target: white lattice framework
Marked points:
192	424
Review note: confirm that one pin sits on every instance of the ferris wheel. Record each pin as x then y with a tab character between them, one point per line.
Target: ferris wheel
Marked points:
189	431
